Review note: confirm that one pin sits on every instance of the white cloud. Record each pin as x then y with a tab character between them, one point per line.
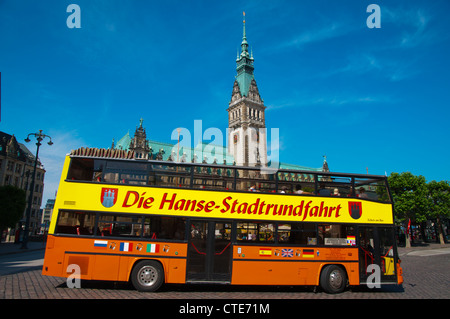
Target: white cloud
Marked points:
315	35
331	100
388	67
414	24
419	34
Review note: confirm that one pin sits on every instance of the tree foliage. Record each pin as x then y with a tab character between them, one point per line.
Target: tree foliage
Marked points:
12	205
439	197
418	201
410	196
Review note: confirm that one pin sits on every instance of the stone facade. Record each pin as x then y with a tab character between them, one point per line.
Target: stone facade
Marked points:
16	169
246	119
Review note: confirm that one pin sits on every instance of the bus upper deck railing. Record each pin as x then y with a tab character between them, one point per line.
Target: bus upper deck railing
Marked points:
139	172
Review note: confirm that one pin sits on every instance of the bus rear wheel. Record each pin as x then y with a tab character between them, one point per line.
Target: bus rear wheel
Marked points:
147	276
333	279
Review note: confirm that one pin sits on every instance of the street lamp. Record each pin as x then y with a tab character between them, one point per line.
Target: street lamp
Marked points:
40	137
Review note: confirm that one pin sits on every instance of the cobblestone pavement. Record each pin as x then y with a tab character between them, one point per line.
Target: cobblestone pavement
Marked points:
426	277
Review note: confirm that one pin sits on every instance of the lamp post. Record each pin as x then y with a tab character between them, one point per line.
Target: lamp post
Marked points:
40	137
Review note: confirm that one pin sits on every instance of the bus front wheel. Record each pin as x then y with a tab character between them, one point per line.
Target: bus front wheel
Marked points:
333	279
147	276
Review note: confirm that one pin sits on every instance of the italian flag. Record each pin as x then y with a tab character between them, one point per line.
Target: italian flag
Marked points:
153	248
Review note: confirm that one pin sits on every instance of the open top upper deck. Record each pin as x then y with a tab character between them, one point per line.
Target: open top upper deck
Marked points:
122	169
193	190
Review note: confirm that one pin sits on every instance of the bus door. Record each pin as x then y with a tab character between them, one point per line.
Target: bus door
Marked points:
209	252
377	258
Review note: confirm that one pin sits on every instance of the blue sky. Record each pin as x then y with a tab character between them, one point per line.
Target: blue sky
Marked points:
368	99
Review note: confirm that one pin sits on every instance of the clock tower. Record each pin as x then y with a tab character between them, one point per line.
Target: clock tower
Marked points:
247	140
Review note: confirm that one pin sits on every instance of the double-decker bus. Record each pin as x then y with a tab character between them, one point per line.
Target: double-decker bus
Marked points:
152	222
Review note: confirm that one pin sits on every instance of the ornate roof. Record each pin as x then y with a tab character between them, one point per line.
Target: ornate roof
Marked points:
11	148
124	142
168	151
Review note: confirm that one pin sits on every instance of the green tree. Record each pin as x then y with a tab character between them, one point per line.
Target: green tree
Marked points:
439	197
409	193
12	205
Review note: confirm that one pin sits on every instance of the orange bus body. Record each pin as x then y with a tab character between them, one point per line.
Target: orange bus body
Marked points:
248	266
101	256
102	264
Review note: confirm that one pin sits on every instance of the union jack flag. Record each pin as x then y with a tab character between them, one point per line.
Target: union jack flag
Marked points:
287	253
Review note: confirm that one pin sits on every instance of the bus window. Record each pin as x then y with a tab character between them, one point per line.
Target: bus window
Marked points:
110	177
81	169
297	233
171	228
339	235
386	242
386	236
223	231
75	223
120	225
265	186
134	173
255	185
336	186
170	175
374	189
87	169
255	232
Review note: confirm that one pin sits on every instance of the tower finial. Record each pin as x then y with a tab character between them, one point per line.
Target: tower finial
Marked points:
244	44
243	13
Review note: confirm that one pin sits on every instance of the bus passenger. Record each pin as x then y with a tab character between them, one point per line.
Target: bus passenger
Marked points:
298	190
324	191
97	177
362	193
352	192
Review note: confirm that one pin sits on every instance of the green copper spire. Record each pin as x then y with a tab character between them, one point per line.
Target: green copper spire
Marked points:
244	65
244	44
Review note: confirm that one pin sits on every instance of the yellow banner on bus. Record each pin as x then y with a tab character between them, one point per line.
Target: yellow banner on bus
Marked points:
221	204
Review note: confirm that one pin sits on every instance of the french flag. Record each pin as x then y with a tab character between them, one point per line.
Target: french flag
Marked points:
126	246
101	244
